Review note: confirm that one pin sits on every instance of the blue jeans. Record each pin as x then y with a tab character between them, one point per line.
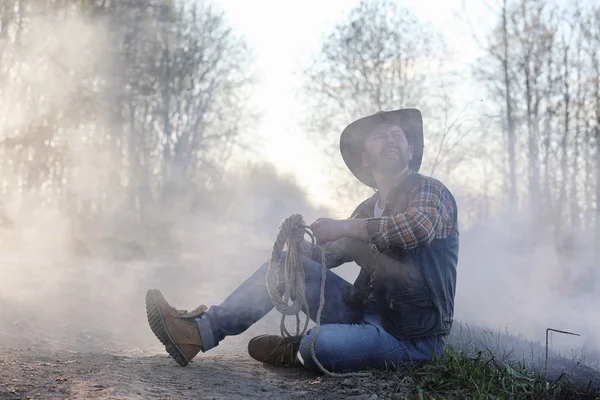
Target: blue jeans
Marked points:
349	339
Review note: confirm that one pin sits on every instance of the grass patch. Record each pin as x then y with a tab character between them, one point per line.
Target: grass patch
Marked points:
457	375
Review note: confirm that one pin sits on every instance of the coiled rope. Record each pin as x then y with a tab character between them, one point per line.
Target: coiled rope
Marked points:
293	299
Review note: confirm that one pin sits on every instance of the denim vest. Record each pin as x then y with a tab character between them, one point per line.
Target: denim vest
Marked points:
413	289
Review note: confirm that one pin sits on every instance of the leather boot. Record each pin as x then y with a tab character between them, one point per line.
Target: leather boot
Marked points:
176	329
275	350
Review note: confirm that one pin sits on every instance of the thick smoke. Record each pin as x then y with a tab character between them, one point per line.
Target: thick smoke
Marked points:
66	287
67	280
513	284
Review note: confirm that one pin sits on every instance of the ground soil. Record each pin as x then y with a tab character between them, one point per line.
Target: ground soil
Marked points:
79	331
28	373
51	369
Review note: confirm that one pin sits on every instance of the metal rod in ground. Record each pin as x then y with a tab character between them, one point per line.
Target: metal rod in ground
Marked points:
559	331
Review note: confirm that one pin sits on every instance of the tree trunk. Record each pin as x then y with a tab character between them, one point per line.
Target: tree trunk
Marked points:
597	142
564	139
579	105
512	168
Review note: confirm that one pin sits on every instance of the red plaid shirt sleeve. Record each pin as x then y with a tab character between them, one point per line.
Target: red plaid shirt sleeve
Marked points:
429	216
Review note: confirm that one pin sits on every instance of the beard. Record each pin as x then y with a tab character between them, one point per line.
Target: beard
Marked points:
388	164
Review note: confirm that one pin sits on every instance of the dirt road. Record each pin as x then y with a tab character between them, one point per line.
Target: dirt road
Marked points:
79	331
50	369
84	337
30	373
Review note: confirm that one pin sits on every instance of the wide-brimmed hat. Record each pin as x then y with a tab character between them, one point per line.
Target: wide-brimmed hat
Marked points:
409	120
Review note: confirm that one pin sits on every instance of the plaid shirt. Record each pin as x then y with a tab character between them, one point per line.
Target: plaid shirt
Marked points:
430	215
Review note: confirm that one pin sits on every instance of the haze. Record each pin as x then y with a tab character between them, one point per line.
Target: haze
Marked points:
123	170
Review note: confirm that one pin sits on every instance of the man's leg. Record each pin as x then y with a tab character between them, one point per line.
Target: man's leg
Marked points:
357	347
184	335
250	302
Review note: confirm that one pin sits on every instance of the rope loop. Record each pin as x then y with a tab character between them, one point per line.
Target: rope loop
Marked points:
293	299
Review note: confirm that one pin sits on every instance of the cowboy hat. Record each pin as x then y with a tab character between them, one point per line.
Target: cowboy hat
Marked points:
352	138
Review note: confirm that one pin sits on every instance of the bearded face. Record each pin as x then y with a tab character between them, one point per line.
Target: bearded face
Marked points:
386	150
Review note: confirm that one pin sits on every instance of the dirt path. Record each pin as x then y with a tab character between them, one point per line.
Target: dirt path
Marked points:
33	374
79	331
55	365
30	373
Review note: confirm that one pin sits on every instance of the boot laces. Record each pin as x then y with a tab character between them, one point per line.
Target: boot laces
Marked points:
287	349
198	311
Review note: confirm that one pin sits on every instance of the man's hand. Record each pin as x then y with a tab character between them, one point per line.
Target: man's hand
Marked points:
329	230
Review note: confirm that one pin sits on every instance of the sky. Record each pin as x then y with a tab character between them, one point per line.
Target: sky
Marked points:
282	36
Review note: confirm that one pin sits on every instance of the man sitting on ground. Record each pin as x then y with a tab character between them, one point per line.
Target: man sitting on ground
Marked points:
405	239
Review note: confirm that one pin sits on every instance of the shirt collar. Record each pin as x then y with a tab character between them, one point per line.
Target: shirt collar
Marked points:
401	179
370	203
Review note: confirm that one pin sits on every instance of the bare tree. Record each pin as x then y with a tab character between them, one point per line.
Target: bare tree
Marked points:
520	80
187	105
592	34
146	101
381	57
510	119
542	72
497	71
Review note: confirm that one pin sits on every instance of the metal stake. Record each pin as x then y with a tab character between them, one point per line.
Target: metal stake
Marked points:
555	330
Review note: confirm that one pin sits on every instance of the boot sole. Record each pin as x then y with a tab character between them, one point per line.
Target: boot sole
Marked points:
157	324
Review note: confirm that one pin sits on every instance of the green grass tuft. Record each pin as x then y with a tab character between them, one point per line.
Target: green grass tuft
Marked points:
456	375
